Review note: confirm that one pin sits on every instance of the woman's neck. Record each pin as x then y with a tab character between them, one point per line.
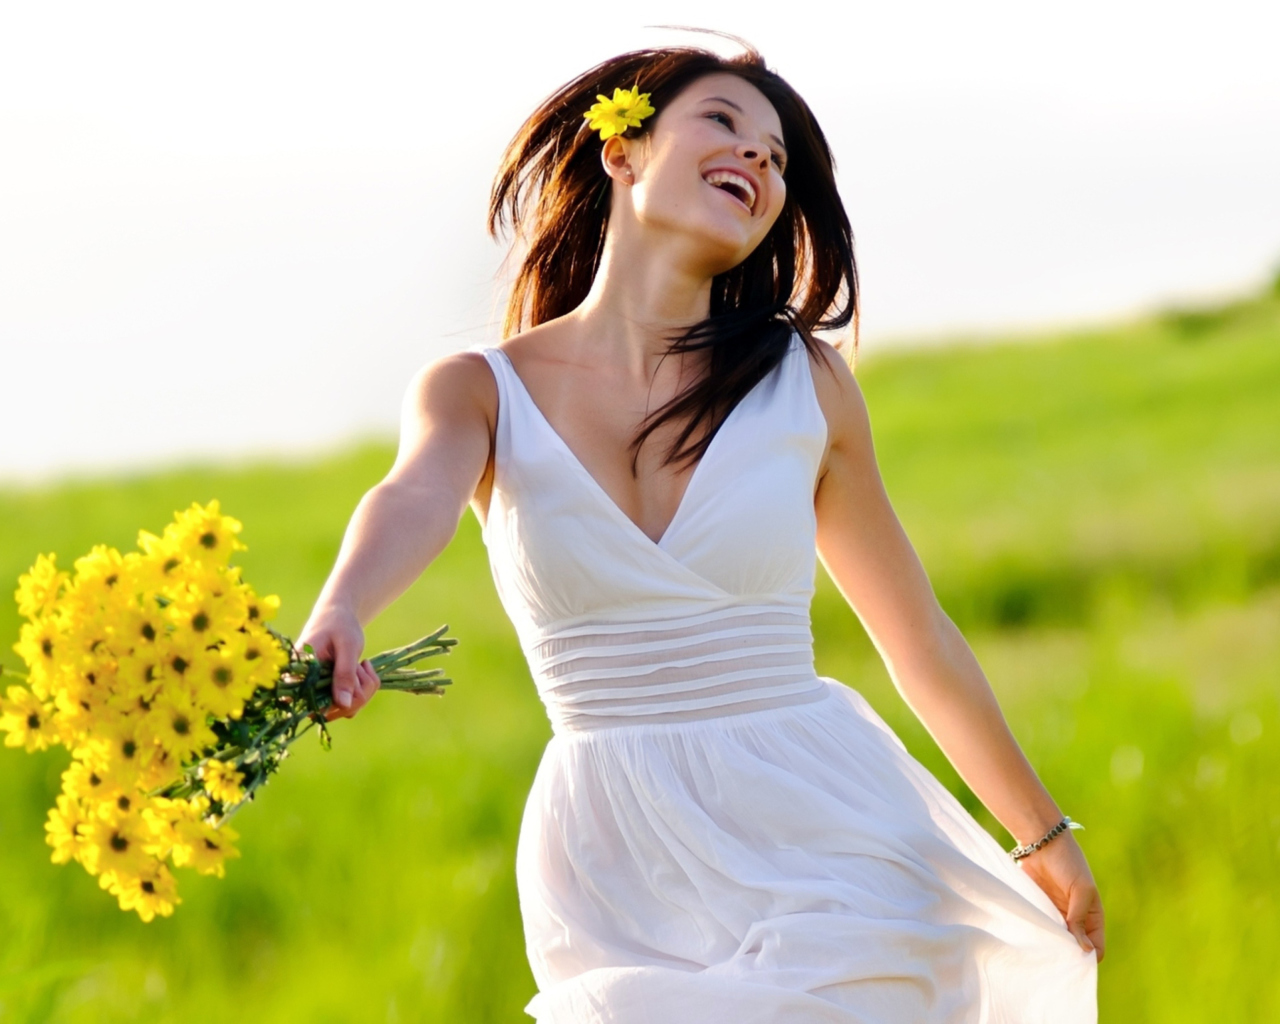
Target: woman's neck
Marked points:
643	293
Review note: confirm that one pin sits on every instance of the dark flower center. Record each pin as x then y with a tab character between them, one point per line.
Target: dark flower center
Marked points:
129	749
123	803
180	664
149	631
222	675
148	887
181	726
118	842
200	623
46	645
33	721
209	540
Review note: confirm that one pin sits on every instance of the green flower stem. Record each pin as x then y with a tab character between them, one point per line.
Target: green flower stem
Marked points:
276	717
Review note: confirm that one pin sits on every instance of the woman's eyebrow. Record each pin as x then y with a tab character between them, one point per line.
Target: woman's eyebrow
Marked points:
729	103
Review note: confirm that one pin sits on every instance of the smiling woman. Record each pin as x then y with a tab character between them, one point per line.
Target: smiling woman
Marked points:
658	451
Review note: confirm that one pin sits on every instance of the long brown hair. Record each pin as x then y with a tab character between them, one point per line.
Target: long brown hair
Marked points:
553	193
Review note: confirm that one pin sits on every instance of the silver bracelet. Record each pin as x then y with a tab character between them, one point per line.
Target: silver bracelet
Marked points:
1018	852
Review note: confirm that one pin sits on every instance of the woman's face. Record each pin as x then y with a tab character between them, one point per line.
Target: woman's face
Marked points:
710	170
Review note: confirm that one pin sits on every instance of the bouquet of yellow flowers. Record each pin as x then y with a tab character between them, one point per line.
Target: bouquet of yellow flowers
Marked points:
158	671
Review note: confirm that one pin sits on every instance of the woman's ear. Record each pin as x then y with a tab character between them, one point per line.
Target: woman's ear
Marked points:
615	156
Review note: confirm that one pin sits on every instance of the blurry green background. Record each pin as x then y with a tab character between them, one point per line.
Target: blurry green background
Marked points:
1099	512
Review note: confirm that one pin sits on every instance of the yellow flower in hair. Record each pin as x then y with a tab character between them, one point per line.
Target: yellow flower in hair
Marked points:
614	116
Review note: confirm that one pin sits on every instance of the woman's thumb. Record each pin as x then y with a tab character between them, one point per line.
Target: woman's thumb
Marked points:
344	673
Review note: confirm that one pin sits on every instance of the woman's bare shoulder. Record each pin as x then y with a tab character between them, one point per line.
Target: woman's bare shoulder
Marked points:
837	389
456	383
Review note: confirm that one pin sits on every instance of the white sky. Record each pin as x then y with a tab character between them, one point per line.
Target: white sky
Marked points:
240	227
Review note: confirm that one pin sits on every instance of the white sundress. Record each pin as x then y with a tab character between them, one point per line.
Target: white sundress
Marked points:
715	834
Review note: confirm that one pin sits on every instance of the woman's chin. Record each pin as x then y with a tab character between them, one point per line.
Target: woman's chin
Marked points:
715	241
721	247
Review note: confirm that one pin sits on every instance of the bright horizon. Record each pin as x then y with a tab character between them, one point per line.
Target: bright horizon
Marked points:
235	233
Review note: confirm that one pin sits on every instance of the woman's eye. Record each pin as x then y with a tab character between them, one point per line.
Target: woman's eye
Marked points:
723	118
777	162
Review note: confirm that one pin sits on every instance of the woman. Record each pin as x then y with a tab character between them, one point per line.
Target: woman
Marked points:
714	833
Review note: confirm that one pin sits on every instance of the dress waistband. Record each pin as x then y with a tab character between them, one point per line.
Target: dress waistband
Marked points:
731	661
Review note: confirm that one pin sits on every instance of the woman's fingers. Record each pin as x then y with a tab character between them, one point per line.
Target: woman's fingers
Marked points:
365	685
369	679
1093	927
1080	902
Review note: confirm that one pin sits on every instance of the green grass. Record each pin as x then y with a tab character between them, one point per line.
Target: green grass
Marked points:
1100	513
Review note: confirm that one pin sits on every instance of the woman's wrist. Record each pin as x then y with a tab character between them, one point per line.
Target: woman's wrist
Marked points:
1035	823
1061	829
330	610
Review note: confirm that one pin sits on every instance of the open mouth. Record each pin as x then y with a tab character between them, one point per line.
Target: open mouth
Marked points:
736	185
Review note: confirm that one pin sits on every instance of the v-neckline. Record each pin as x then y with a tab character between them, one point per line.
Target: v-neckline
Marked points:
606	499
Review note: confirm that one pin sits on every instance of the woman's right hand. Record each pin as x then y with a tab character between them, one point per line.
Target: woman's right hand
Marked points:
336	636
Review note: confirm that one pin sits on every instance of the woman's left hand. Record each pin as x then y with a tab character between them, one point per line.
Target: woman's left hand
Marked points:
1060	869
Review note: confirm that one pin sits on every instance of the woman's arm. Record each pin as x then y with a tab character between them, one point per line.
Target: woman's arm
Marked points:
406	520
869	557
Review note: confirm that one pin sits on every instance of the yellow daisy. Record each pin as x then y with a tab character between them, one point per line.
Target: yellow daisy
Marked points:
150	892
38	589
222	781
204	847
67	829
223	683
177	725
28	720
614	116
116	843
103	580
115	752
261	655
259	609
85	783
41	644
203	534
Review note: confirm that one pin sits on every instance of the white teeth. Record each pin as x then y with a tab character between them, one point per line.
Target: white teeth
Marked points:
730	178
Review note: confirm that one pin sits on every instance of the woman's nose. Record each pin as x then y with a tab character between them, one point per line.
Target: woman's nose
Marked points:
754	154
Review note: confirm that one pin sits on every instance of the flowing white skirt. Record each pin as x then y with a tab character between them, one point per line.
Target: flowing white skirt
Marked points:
788	865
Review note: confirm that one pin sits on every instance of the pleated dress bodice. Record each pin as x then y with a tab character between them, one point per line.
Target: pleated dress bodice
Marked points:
712	618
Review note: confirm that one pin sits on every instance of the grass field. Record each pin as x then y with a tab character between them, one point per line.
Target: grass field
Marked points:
1101	515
